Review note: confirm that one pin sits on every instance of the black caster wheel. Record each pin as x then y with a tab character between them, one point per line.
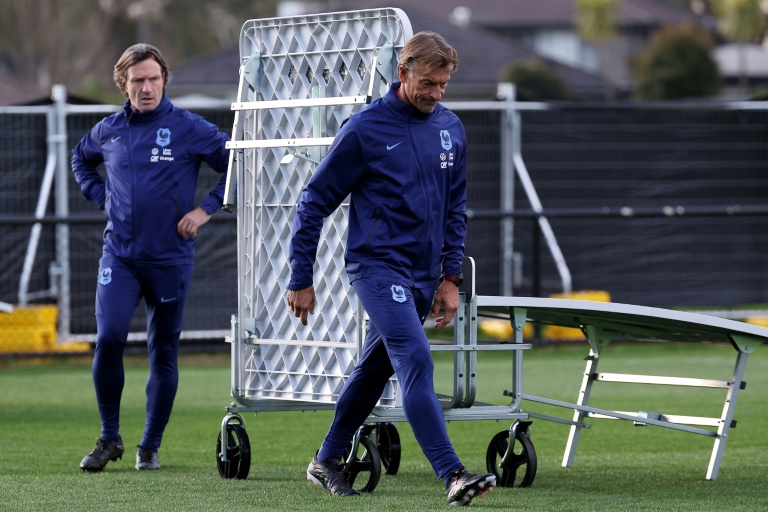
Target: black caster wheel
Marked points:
366	460
520	469
238	453
388	444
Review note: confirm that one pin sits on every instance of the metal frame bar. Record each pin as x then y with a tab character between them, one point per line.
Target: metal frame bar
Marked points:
602	322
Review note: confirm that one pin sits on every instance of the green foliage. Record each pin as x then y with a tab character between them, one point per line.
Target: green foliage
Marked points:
596	20
534	80
740	20
48	422
677	64
63	41
94	87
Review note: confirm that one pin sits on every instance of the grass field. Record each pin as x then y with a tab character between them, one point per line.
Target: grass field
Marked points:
48	422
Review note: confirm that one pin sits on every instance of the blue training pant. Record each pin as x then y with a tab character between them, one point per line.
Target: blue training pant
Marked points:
120	288
395	343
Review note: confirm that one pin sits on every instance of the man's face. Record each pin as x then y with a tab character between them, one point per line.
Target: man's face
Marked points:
423	90
144	85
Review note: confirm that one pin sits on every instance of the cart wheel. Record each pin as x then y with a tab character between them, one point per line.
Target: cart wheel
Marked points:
388	444
238	453
368	462
523	455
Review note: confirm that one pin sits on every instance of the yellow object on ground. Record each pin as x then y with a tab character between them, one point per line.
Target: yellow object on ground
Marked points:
501	329
559	333
32	329
761	321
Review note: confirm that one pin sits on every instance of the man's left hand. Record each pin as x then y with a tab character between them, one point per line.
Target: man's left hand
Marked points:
447	298
191	222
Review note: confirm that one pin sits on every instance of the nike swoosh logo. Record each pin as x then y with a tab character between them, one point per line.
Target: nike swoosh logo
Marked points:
164	300
115	139
393	147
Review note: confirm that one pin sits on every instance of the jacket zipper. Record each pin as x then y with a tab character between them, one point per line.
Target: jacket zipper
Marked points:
420	175
133	192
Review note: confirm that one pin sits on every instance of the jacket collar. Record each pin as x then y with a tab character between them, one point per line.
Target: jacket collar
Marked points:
403	108
133	116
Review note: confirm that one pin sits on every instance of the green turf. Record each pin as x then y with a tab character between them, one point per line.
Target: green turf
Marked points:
48	422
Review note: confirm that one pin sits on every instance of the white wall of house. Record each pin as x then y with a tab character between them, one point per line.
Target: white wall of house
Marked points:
565	46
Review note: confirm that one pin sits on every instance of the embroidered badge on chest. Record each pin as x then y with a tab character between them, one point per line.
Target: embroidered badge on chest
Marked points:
398	293
445	140
163	137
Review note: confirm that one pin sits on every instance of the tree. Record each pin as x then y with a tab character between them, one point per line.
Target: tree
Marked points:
742	21
534	81
77	42
677	64
597	23
55	41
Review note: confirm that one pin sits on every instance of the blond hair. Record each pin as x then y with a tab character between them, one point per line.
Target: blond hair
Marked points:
431	49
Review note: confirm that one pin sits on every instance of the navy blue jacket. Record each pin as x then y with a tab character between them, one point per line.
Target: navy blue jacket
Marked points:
405	173
152	161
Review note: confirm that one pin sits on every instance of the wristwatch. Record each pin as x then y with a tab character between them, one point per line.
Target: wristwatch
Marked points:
457	280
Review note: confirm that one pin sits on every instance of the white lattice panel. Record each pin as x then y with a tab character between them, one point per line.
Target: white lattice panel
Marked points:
326	56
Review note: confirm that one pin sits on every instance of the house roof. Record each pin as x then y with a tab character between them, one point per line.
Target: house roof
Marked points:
482	55
15	92
218	67
518	13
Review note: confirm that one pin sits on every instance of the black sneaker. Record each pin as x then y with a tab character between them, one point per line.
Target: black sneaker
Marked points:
329	476
464	486
103	453
147	459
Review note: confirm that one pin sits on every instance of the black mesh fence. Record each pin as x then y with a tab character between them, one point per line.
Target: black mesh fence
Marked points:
689	174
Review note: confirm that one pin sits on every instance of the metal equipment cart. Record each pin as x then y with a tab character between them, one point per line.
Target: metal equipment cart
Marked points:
300	78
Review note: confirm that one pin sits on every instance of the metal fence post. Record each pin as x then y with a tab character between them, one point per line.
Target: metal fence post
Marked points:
59	95
510	135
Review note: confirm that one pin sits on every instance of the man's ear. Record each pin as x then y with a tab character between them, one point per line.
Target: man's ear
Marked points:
402	73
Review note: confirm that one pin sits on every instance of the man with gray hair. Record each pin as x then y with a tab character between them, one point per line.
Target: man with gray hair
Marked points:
402	161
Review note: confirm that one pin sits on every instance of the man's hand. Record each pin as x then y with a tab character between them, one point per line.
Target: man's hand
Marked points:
191	222
301	302
447	297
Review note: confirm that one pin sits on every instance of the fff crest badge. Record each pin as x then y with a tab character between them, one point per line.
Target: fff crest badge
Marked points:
398	293
163	137
105	275
445	140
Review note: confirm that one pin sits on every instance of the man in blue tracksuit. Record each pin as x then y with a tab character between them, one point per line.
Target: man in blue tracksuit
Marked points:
152	152
402	161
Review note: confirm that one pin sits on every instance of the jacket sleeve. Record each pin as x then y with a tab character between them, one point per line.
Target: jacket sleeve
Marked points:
333	180
211	145
86	157
456	222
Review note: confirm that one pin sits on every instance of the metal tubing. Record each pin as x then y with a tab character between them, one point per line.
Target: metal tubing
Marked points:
59	95
42	205
224	423
727	417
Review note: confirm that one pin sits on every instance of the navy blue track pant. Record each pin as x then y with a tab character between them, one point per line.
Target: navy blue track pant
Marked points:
120	288
395	343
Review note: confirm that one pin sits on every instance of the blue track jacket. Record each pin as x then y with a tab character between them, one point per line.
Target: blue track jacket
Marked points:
406	174
152	161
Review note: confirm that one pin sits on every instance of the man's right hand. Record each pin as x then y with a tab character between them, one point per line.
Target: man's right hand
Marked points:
301	302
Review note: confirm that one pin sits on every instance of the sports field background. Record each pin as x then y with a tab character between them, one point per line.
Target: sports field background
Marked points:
48	422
